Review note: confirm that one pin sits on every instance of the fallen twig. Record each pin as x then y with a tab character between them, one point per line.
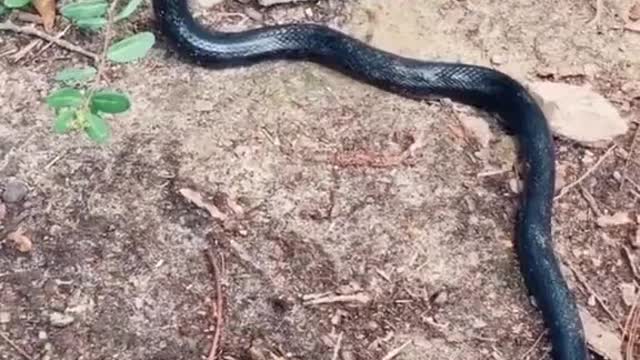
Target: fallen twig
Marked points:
629	257
217	311
534	346
16	347
28	30
630	329
586	174
351	298
626	162
597	15
336	349
593	204
395	352
105	46
593	293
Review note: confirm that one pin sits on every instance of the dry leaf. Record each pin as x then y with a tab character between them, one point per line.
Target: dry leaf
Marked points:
633	26
197	198
601	339
619	218
579	113
47	10
628	291
21	242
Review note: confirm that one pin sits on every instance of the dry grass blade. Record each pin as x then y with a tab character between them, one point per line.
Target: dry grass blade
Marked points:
586	174
217	312
631	327
16	347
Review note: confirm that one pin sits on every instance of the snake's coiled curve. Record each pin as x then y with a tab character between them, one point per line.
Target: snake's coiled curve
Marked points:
477	86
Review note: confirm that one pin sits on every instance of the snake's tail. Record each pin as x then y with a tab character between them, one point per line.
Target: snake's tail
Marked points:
541	272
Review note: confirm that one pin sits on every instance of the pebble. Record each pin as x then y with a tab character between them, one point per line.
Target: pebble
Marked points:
441	298
209	3
275	2
5	317
14	191
60	320
498	59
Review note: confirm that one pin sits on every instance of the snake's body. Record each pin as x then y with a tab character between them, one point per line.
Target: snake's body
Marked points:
473	85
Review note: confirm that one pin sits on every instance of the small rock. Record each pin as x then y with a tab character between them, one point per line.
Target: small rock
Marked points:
254	14
515	185
20	241
578	113
42	335
498	59
348	355
3	211
479	323
440	298
209	3
58	319
276	2
616	219
5	317
629	293
14	191
591	301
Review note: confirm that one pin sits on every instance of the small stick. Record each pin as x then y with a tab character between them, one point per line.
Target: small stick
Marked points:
593	204
336	349
586	174
630	327
533	347
586	285
353	298
16	347
634	270
218	311
631	150
9	26
105	46
596	16
395	352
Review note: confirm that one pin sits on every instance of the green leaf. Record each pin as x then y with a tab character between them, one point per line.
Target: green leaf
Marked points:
97	128
129	9
131	48
13	4
3	10
110	102
64	120
73	75
65	97
94	23
84	9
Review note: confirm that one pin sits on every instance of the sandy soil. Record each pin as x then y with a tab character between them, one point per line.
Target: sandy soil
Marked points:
119	253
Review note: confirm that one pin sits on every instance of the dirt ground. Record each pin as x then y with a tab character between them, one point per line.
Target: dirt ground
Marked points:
422	243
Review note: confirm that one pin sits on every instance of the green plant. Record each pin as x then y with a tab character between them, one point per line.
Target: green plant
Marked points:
80	104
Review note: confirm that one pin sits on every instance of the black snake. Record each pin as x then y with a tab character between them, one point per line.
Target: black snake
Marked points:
477	86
